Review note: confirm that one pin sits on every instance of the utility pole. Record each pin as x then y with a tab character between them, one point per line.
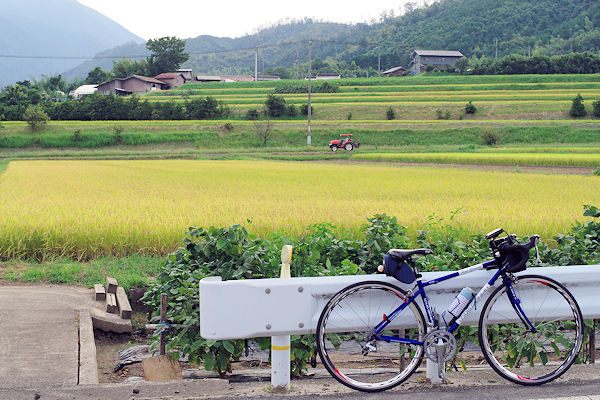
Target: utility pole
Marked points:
309	90
256	65
379	64
297	64
496	48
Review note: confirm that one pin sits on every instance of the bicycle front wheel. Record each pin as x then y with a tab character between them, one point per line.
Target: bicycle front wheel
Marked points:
349	348
532	334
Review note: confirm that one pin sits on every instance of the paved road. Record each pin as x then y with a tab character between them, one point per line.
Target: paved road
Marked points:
39	335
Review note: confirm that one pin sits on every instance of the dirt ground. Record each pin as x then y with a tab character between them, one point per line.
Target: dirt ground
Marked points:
108	345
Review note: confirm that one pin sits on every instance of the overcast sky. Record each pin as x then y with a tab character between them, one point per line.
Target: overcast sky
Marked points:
233	18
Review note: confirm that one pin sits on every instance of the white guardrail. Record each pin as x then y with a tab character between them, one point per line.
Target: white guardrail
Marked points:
251	308
242	309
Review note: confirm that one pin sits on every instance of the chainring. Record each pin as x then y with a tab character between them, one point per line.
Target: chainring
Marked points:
439	337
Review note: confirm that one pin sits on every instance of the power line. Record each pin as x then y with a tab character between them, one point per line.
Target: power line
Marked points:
253	48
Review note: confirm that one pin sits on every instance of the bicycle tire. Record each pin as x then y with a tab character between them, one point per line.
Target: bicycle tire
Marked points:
517	353
362	306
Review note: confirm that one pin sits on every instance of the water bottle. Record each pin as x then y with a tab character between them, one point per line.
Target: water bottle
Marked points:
460	303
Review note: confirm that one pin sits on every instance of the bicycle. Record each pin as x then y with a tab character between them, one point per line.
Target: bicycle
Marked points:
372	336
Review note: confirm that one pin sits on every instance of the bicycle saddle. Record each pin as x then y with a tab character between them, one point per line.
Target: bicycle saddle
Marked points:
403	253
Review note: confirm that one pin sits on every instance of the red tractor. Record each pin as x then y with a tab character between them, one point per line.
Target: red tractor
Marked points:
345	142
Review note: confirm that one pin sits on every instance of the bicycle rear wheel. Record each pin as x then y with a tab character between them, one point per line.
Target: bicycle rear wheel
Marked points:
531	356
345	337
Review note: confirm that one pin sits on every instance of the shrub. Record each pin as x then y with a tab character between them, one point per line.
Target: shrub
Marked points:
577	108
489	138
304	109
35	117
596	108
291	110
77	136
275	105
442	114
349	116
390	113
117	134
252	114
470	108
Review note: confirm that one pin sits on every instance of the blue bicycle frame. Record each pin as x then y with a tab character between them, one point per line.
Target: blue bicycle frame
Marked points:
516	303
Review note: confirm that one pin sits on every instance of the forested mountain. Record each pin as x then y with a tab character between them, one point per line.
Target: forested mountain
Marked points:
545	27
42	28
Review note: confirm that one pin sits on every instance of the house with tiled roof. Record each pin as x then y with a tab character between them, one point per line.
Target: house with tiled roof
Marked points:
421	59
396	71
131	84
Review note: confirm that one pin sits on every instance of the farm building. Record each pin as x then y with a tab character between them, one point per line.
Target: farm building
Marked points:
131	84
420	59
171	79
396	71
187	74
84	90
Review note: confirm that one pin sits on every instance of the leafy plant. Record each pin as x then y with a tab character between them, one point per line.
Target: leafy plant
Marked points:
489	138
252	114
577	107
36	117
117	134
470	108
596	108
390	113
349	116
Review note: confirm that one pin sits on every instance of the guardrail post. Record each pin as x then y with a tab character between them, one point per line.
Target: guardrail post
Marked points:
281	345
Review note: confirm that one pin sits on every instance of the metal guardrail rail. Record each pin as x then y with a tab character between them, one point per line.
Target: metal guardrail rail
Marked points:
269	307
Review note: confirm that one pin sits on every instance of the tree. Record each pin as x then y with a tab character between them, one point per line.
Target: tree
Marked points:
275	105
35	117
577	108
167	54
97	76
124	68
264	128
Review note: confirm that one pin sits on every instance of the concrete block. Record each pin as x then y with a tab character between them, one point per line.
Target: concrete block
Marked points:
100	292
110	322
123	303
111	303
111	285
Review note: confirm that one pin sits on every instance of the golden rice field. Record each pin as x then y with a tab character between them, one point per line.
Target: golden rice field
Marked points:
537	158
85	209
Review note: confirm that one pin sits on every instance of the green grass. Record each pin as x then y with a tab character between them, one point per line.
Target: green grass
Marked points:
3	166
132	271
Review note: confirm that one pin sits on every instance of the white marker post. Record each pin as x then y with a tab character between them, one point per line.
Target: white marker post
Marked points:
280	345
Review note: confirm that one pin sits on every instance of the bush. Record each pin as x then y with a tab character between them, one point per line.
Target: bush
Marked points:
275	105
596	108
304	109
117	134
442	114
77	136
291	110
489	138
233	253
577	108
470	108
349	116
252	114
390	113
35	117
